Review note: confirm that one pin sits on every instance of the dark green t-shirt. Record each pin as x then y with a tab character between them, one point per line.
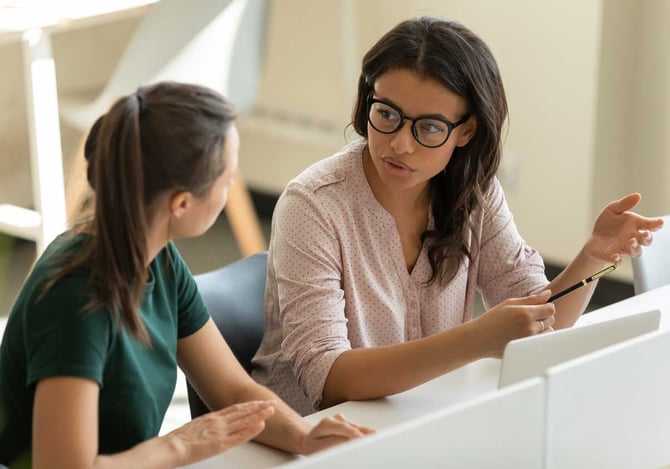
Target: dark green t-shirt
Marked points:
51	336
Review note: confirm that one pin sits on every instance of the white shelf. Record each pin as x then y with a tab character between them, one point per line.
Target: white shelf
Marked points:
20	222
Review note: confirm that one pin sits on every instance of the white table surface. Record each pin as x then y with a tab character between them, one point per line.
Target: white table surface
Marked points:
467	383
476	379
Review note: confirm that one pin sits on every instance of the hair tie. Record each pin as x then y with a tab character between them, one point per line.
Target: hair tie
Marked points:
141	100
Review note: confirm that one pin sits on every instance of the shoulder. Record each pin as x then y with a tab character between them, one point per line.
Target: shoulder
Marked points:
493	202
58	254
338	169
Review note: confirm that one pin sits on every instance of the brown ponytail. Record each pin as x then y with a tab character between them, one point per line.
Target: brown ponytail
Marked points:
165	137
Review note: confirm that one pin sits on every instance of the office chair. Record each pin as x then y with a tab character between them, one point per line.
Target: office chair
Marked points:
234	296
215	43
652	269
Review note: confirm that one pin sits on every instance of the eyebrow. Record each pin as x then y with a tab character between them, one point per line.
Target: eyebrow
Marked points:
437	116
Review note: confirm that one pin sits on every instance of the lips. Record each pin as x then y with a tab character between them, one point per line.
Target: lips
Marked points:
396	163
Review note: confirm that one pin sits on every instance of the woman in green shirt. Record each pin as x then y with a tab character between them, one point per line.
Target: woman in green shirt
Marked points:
89	356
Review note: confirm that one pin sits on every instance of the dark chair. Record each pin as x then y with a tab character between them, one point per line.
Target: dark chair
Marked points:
234	296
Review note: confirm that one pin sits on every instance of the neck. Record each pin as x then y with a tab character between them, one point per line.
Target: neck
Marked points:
157	237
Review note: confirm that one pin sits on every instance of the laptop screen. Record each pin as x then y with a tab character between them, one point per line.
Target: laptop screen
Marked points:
531	356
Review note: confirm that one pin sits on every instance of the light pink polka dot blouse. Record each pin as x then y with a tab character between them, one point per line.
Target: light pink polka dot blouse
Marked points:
337	277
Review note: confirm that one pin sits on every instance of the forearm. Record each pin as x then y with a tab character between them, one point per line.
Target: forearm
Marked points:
571	306
157	453
370	373
286	429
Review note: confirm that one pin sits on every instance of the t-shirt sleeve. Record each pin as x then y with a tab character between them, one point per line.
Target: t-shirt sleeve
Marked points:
192	312
61	339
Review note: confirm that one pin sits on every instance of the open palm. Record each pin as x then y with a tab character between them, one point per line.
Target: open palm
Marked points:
618	231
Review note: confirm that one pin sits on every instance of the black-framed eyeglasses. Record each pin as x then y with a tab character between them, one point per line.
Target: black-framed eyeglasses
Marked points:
430	131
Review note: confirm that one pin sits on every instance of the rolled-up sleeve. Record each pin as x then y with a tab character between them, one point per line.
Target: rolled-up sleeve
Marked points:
309	281
508	267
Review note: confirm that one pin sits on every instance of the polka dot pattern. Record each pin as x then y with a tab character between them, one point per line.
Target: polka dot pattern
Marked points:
337	277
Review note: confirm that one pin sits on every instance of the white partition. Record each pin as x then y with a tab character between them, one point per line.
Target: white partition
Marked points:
611	408
503	429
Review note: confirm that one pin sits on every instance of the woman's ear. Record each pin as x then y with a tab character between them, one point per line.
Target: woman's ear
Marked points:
469	129
180	203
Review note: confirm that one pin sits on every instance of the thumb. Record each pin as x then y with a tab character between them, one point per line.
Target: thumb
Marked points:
537	299
625	203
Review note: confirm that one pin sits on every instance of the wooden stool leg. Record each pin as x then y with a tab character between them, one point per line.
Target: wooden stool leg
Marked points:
243	219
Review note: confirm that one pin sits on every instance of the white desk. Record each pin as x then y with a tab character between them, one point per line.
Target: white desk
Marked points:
470	382
654	299
610	408
33	25
477	379
502	429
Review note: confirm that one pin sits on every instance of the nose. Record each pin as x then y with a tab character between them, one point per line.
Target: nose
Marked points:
402	141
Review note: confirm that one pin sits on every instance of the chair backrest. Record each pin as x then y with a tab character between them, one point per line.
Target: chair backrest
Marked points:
652	269
215	43
234	296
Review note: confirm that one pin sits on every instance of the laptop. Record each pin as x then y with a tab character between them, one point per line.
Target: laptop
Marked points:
531	356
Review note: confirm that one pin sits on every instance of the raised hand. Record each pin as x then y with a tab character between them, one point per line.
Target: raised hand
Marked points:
331	431
218	431
617	231
512	319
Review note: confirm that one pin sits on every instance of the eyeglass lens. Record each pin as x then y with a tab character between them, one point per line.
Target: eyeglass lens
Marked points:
428	132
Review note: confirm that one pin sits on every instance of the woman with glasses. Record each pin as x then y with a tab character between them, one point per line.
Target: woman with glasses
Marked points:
378	251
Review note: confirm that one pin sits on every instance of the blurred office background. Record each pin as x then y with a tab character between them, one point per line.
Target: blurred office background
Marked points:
588	85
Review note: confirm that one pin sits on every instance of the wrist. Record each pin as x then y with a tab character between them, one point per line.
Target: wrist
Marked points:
591	259
301	438
174	446
475	341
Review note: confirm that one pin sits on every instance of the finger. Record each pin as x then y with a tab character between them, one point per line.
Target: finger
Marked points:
645	238
544	324
541	311
658	224
363	429
549	322
634	247
329	426
652	224
625	203
239	407
244	434
536	299
244	409
248	421
548	329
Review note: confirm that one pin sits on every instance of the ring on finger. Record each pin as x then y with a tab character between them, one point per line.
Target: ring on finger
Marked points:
541	321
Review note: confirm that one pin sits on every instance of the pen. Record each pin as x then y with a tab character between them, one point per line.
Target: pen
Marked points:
582	283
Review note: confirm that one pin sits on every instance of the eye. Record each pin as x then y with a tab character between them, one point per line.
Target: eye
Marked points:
430	126
386	113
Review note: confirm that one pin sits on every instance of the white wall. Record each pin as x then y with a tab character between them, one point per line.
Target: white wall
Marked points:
588	85
548	56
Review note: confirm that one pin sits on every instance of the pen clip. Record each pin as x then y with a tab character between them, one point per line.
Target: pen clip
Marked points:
606	270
